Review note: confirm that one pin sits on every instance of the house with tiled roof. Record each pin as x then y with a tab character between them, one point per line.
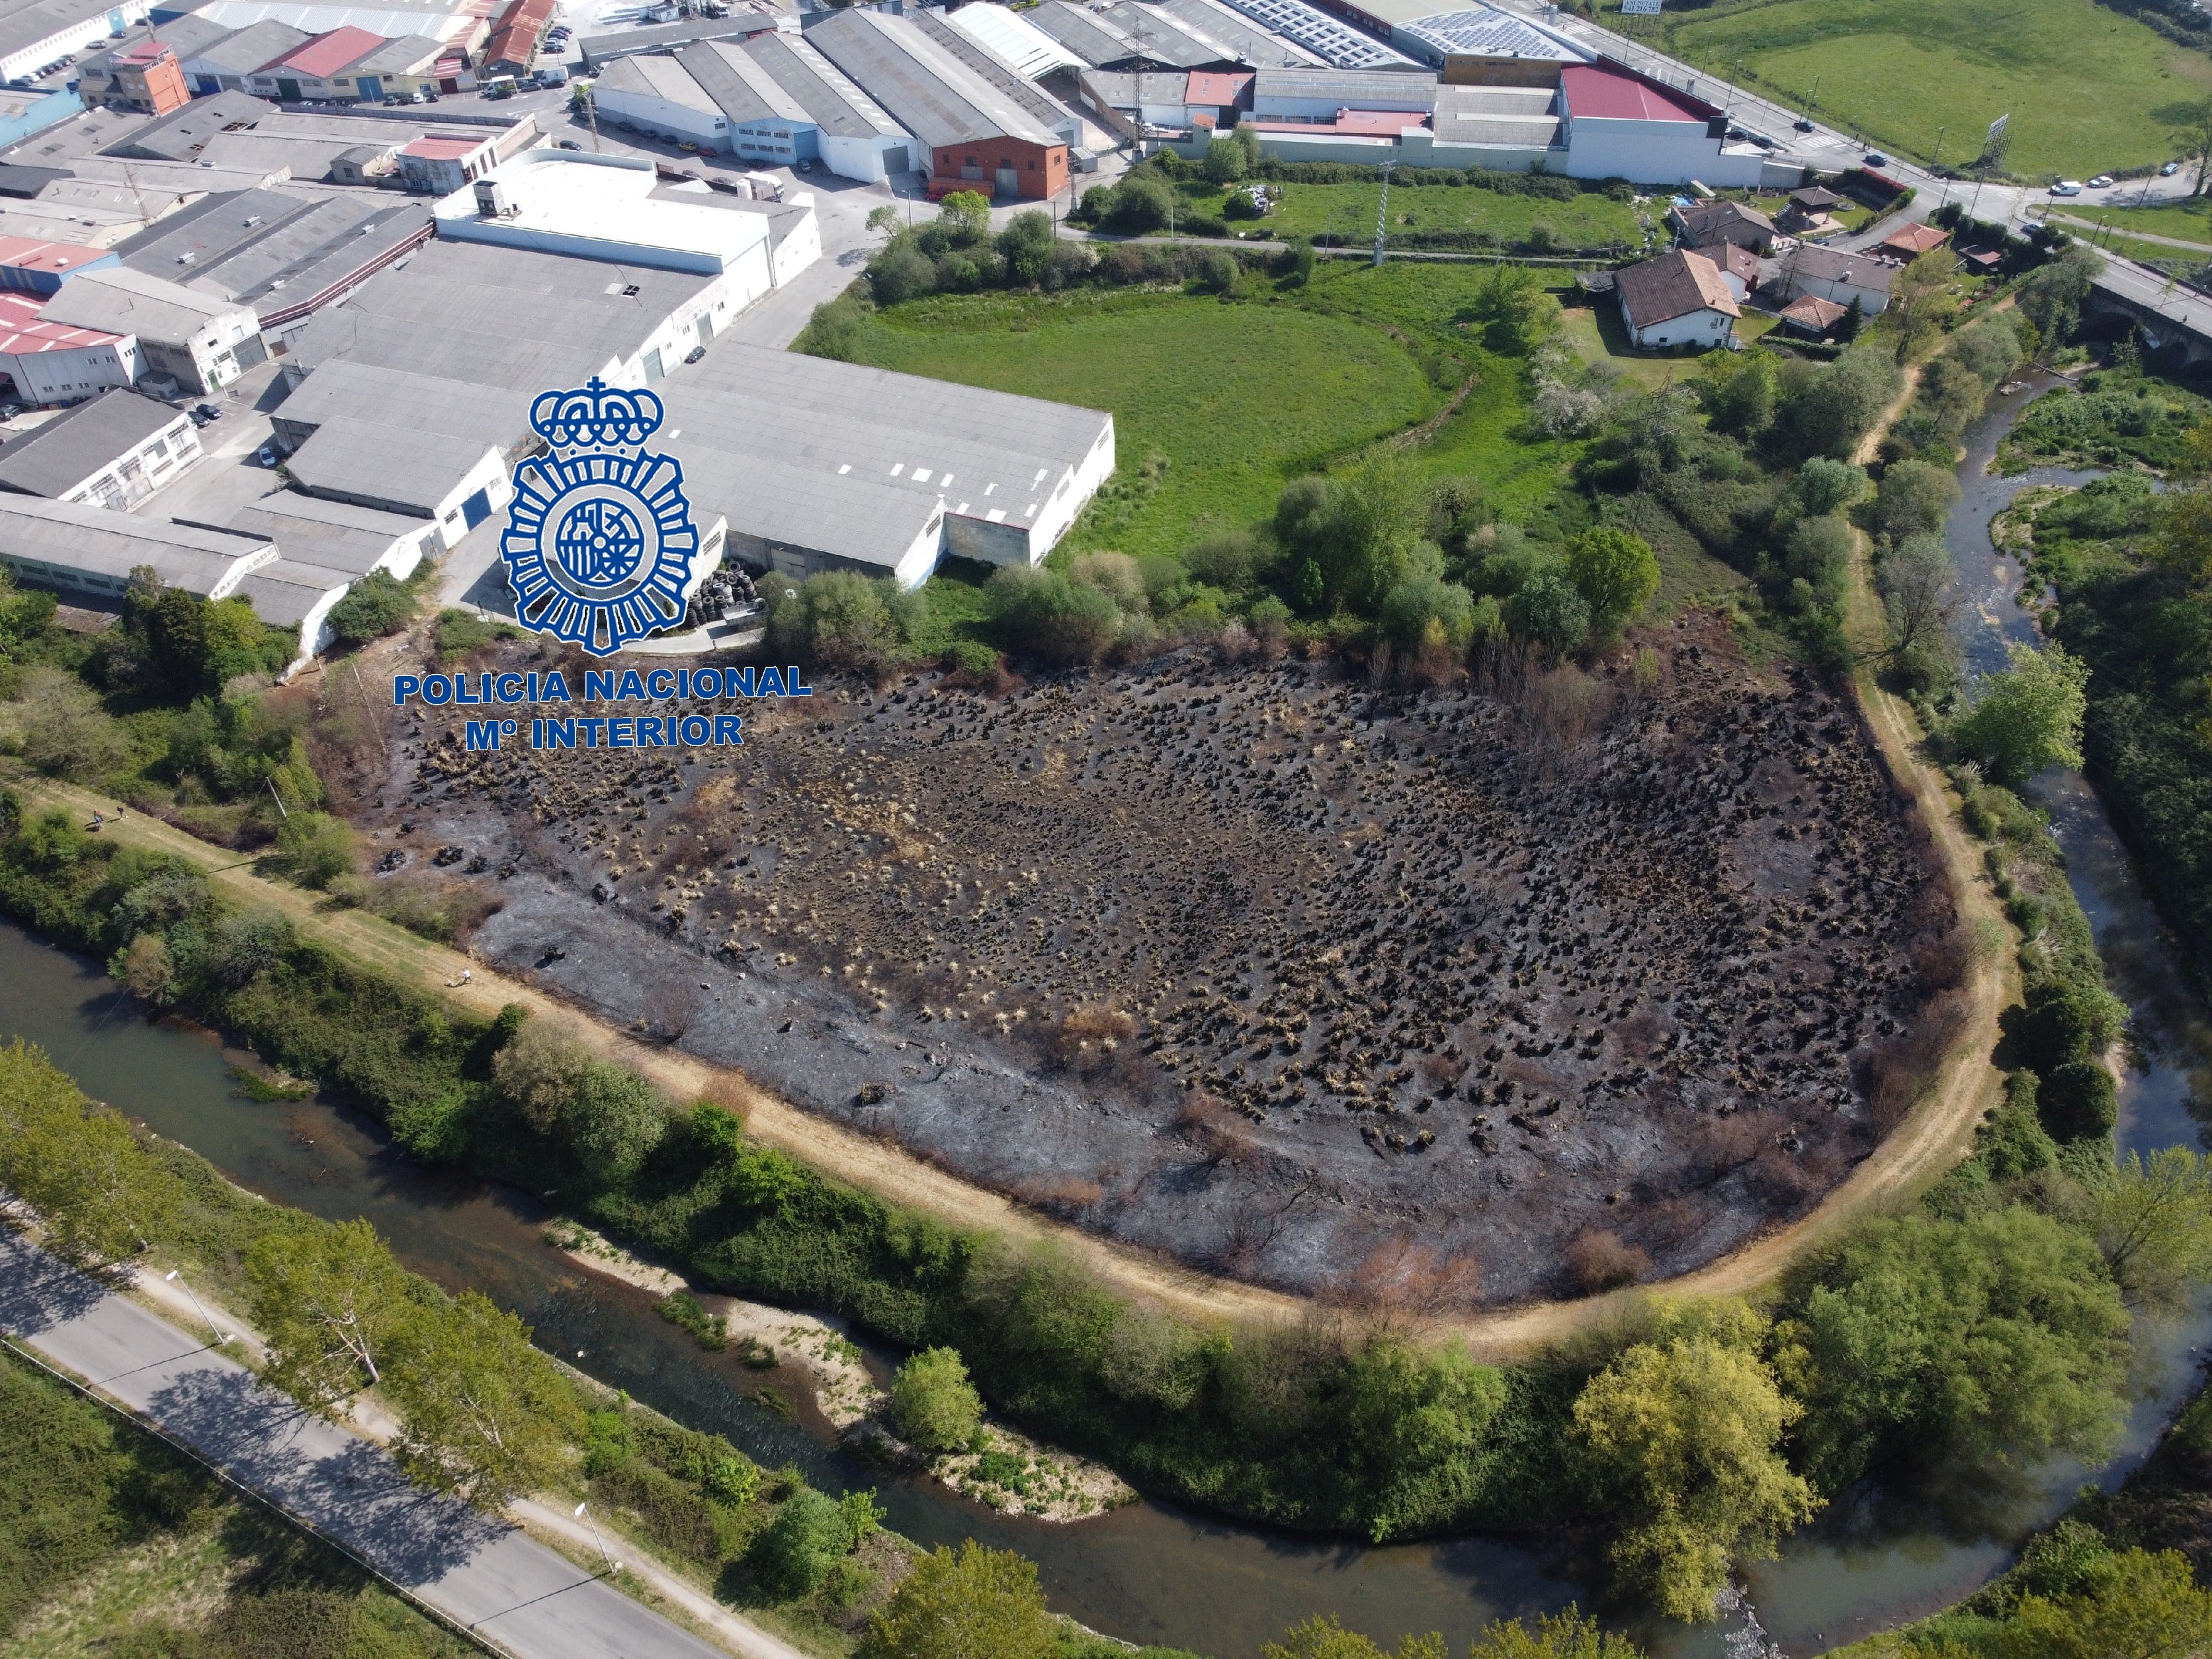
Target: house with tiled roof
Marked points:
1681	298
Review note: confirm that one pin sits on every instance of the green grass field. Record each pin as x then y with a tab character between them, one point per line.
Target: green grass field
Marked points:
2185	221
1348	210
2088	89
1239	398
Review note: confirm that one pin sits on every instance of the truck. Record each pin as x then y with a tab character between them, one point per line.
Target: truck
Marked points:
766	186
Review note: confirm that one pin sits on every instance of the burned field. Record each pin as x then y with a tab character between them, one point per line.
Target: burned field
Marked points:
1517	988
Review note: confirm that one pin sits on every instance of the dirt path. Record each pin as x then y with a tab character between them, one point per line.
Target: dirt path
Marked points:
1918	1150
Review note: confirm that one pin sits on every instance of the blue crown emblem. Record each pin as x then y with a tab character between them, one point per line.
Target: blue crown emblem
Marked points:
599	545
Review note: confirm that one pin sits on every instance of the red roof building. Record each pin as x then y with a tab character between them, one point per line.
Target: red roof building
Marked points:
326	54
515	36
1213	89
53	362
34	266
1914	240
147	77
1603	93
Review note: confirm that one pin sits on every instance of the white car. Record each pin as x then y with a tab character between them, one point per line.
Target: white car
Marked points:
2102	181
2067	187
2169	169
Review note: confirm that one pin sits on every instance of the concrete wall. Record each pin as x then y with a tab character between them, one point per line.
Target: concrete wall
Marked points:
665	117
67	377
870	159
1656	153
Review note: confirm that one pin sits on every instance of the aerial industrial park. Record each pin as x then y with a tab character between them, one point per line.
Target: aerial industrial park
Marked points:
1044	828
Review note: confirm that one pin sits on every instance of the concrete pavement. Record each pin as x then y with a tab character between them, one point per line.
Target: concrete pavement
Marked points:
514	1593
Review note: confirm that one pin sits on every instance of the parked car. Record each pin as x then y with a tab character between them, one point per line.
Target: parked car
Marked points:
566	144
208	411
2067	187
1874	158
2169	169
392	99
2102	181
695	354
266	455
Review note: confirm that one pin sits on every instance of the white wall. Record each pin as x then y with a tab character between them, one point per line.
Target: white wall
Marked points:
1705	328
863	159
489	475
1872	301
1074	491
55	377
1656	153
799	250
663	116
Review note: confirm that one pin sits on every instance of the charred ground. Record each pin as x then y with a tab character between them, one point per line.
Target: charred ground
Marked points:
1521	987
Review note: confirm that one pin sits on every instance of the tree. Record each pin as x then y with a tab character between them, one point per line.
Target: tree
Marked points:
65	731
1616	573
2052	298
1138	204
900	271
328	1299
2154	1224
1996	1339
1564	1635
1322	1637
1917	592
1914	499
966	216
614	1121
102	1199
1818	553
882	220
1738	390
843	619
1685	1433
1429	613
148	969
934	1403
250	942
2028	716
1825	410
1516	314
378	604
1043	613
1025	244
1853	319
1548	609
319	846
482	1413
1229	156
810	1533
974	1603
2182	540
540	1071
1823	485
2137	1606
25	613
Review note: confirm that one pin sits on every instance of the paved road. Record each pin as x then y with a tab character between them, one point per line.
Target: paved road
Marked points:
478	1571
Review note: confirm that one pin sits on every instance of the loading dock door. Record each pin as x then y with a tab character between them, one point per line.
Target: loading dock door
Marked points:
476	509
1009	183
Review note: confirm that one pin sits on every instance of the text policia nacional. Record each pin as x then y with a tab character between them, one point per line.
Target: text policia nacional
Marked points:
677	729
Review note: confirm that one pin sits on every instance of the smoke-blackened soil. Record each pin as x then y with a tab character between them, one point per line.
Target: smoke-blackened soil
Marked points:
1511	988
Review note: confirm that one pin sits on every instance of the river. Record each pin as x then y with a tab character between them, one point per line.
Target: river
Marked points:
1152	1572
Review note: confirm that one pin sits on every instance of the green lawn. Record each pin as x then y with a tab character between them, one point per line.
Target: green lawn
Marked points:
2087	87
1596	331
2188	221
1348	210
1238	398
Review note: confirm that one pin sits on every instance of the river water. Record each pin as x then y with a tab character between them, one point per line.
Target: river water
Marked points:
1150	1572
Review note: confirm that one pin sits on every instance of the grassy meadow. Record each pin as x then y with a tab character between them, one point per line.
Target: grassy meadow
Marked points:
1348	211
1217	405
2088	88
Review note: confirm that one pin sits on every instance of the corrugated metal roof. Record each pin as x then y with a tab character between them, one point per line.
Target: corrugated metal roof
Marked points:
69	537
1601	92
1488	32
1166	39
828	96
599	50
284	592
241	51
125	302
326	54
1099	42
386	457
1332	39
337	536
1349	90
1011	83
1253	44
405	55
664	78
1013	37
927	90
25	26
22	333
180	137
271	245
80	441
485	415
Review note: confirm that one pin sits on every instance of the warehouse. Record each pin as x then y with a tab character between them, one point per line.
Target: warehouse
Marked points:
600	50
36	32
113	451
341	535
53	364
1048	112
864	469
787	102
1327	38
660	97
1015	40
1251	43
404	66
197	342
228	62
975	133
95	70
66	544
316	71
387	462
182	135
1617	124
29	265
510	317
283	253
473	415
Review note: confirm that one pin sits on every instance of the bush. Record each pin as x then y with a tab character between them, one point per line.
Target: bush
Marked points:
934	1403
842	619
1547	610
2079	1101
1429	613
248	943
808	1536
317	845
459	632
1041	613
975	1604
377	604
65	731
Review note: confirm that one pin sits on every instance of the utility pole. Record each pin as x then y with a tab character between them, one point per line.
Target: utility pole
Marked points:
1383	214
1936	163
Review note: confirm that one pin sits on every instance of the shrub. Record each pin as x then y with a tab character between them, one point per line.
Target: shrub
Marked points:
934	1403
457	633
65	731
1547	610
1616	573
842	619
976	1603
1229	561
317	845
1041	613
2078	1101
807	1537
248	943
378	604
1429	613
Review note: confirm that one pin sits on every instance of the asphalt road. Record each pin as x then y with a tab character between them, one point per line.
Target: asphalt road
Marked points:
478	1571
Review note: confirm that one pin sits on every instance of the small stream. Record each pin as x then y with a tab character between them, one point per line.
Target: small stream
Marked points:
1152	1572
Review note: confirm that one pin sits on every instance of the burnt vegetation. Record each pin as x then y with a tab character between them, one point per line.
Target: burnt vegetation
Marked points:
1636	961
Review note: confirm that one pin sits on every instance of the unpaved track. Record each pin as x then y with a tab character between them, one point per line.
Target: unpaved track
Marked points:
1933	1135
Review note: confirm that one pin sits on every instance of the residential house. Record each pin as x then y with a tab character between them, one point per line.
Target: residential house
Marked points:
1810	313
1910	242
1681	298
1707	224
1834	275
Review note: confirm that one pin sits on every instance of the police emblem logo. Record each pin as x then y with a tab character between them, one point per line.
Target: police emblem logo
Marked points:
600	544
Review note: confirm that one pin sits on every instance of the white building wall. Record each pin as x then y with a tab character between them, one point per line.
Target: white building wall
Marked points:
1705	328
489	475
869	160
721	299
1656	153
664	116
799	250
68	377
1071	493
1872	301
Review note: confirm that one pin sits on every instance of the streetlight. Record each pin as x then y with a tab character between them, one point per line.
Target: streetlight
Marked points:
170	1277
613	1566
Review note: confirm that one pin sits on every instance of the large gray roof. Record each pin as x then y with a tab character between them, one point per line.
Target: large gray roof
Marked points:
396	57
481	414
340	536
780	77
255	47
1009	82
926	88
1251	41
272	249
384	456
182	135
599	50
183	35
283	592
69	537
762	493
78	442
496	315
1086	34
1323	33
1350	88
984	451
664	78
121	301
1168	40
